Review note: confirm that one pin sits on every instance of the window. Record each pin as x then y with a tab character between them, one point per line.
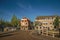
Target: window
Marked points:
40	27
48	17
26	23
22	27
22	20
50	23
43	27
52	17
51	26
46	27
37	27
25	20
46	23
26	26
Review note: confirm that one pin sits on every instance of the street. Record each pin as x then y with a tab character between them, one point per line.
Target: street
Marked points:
18	36
24	35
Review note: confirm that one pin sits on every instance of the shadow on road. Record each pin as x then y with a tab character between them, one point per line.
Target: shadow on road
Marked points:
6	35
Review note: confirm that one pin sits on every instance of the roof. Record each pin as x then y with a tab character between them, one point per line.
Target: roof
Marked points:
42	17
25	18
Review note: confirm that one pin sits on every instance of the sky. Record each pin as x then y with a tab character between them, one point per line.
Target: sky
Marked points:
28	8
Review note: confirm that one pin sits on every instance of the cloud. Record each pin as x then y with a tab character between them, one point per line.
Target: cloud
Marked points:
24	6
21	5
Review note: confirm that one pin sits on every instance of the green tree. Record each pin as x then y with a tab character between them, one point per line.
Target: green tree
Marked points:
19	24
2	24
7	24
37	23
56	22
14	21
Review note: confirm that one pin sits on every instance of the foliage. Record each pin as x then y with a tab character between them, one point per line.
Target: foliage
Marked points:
37	23
56	22
7	24
14	21
2	22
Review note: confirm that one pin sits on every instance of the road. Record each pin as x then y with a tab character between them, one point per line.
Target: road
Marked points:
22	35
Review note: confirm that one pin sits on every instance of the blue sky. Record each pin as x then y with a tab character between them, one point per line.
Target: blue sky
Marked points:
28	8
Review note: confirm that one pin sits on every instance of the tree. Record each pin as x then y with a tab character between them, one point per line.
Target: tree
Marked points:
56	22
14	21
7	24
2	24
37	23
19	24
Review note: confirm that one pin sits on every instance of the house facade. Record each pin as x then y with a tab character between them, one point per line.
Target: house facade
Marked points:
44	23
6	29
25	23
